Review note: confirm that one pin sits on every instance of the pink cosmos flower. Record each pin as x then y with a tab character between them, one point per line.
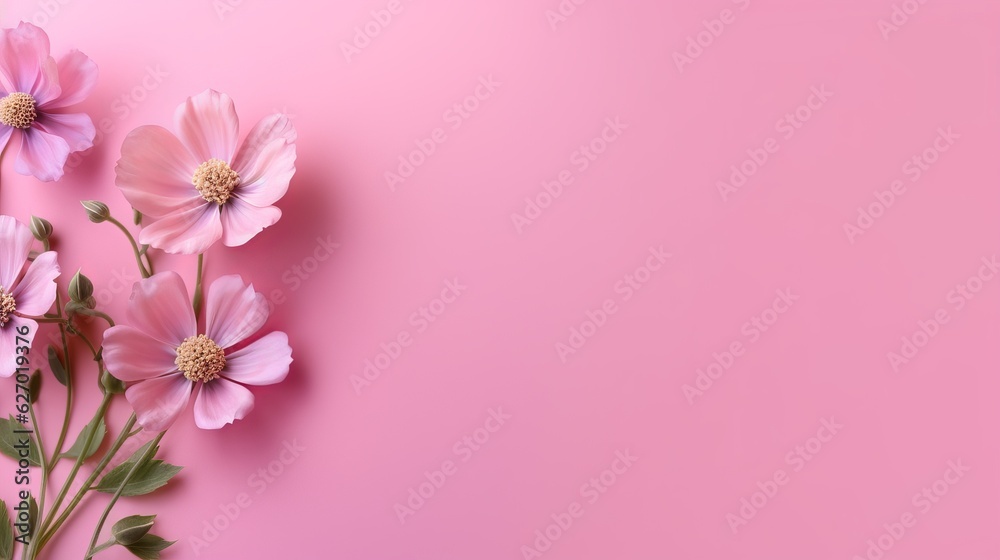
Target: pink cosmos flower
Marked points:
162	351
200	188
32	295
35	91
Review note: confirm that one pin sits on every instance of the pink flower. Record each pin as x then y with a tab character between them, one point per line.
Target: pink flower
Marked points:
35	91
200	188
32	295
162	350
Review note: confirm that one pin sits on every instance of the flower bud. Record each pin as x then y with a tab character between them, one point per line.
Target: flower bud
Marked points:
97	211
80	288
112	385
40	228
136	217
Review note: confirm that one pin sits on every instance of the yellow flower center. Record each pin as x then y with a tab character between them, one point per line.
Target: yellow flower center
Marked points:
215	180
200	359
7	306
18	110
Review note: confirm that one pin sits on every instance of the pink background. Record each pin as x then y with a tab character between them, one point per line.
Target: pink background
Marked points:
495	346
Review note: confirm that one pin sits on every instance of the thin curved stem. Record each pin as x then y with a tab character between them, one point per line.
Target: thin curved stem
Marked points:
135	247
88	441
118	493
68	366
54	526
198	290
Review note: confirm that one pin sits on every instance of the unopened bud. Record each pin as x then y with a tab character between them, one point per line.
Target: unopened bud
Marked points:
97	211
40	228
80	288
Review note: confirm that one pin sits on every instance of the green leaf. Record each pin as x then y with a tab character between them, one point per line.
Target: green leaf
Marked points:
149	547
81	439
151	475
10	442
57	367
35	386
130	530
32	515
6	534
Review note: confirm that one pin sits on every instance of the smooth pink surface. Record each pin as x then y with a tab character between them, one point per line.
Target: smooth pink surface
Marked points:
494	346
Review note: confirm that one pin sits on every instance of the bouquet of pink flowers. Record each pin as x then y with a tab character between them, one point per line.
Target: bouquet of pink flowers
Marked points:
189	189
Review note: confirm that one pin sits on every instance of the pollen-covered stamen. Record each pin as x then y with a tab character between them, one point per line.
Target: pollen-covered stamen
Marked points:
215	180
18	110
7	306
200	359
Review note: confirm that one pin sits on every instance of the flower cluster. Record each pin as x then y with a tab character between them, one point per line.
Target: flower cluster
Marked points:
188	189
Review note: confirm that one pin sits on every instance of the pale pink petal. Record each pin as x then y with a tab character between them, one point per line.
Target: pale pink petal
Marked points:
266	161
264	362
23	52
158	402
75	128
15	244
36	292
159	306
233	310
242	221
155	172
208	126
221	402
188	231
77	78
46	88
132	355
9	343
5	132
42	155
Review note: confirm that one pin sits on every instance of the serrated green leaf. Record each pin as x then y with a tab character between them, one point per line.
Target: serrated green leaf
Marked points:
150	476
149	547
56	365
10	441
81	439
131	529
6	534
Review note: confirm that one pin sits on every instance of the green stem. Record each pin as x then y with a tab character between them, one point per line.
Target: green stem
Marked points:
89	440
197	285
135	247
102	548
121	488
53	527
45	467
69	388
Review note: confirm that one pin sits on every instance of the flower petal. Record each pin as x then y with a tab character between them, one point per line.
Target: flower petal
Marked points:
158	402
266	161
155	172
75	128
221	402
77	78
15	244
159	306
42	155
132	355
242	221
5	132
9	343
208	126
264	362
189	231
24	51
36	292
233	310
